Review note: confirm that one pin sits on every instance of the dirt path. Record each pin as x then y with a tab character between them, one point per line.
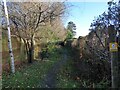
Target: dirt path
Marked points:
51	77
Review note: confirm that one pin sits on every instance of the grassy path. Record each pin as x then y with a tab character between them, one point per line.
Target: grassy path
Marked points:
48	73
60	74
31	74
51	78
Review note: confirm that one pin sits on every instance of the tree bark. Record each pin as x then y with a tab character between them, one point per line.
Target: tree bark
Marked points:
27	46
31	50
9	39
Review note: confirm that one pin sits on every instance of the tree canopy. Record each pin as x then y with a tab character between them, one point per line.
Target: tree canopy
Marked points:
71	27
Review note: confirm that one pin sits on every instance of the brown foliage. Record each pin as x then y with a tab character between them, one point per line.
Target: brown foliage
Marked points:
90	63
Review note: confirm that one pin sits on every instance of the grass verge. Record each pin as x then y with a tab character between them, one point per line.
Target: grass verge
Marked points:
29	76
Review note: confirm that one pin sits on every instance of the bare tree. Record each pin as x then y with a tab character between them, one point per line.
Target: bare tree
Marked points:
27	17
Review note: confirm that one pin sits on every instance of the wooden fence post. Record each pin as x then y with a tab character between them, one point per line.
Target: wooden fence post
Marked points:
113	47
119	59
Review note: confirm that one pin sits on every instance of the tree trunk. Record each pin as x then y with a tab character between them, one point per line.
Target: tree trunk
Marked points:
9	39
31	51
27	46
30	56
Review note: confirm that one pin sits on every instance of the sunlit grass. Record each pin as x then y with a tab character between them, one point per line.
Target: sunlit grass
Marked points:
32	74
27	77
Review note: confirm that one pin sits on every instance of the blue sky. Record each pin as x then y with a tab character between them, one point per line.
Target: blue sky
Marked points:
83	13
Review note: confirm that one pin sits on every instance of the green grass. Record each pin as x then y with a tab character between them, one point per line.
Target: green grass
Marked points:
69	77
27	77
31	75
64	78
